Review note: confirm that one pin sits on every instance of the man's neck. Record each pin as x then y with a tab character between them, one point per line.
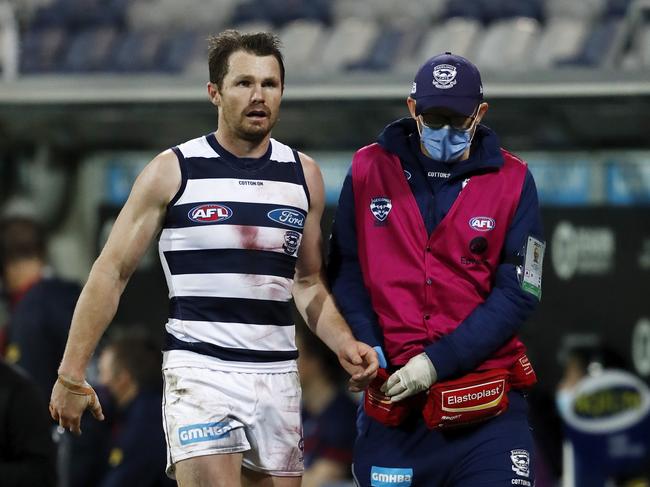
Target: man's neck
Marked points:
240	147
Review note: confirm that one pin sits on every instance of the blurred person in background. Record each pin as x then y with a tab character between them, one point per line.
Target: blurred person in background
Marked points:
238	218
328	414
436	261
27	452
623	461
40	311
129	367
40	304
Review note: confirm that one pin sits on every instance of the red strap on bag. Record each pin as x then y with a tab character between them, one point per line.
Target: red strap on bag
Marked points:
379	407
470	399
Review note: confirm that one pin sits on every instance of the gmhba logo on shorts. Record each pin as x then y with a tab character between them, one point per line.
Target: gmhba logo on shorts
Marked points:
209	213
288	217
194	433
391	477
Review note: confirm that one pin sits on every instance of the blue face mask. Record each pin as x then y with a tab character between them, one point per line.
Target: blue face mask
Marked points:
445	144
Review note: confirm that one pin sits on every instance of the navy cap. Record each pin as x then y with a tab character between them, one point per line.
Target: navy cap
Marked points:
449	81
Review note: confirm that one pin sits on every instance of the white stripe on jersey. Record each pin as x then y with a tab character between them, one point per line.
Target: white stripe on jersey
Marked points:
281	152
234	335
220	190
224	237
247	286
197	148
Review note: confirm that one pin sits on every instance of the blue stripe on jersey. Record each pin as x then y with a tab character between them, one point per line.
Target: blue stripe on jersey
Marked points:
232	261
224	353
183	168
249	214
211	168
231	310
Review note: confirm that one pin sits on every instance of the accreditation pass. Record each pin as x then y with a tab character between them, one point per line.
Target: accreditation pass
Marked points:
532	279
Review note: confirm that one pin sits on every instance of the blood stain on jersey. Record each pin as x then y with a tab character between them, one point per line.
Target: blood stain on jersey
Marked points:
248	237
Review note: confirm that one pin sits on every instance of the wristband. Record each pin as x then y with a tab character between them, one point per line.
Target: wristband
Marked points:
78	389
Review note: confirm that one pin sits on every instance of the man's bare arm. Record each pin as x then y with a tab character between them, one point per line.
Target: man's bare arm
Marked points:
137	224
312	297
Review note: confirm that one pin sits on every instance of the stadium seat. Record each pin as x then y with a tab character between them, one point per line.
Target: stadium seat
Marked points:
581	9
301	40
349	42
598	44
455	35
507	44
90	50
41	50
137	52
177	52
562	39
382	53
643	46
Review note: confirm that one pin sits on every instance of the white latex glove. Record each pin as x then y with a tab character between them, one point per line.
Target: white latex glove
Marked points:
416	376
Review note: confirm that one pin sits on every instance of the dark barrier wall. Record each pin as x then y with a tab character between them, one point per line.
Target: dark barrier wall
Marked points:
596	285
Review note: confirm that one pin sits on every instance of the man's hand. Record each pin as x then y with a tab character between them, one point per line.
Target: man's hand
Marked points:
416	376
360	361
70	399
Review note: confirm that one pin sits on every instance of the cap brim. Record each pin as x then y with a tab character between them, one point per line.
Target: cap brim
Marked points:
460	104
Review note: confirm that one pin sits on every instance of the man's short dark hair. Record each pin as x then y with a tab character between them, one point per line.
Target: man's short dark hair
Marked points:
223	45
21	238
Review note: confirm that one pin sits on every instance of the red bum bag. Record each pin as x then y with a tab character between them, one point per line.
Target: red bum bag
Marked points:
378	406
472	398
467	400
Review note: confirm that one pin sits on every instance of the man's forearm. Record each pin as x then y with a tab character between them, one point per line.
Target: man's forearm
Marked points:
316	306
95	309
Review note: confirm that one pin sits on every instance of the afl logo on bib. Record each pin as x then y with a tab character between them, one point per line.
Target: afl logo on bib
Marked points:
482	223
209	213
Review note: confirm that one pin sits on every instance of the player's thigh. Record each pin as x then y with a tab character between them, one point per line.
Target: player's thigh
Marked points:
251	478
217	470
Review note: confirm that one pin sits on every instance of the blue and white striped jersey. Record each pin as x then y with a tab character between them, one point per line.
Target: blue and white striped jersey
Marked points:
228	247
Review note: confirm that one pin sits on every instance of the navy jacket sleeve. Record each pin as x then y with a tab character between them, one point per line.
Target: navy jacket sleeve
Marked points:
345	275
504	311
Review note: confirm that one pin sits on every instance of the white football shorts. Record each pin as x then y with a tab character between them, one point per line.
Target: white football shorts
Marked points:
207	412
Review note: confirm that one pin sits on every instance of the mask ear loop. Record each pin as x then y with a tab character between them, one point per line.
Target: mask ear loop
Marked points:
475	124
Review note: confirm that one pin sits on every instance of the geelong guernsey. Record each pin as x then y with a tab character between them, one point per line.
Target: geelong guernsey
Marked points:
228	247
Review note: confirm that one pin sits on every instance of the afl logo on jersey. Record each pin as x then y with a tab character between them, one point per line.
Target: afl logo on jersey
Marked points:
482	223
288	217
209	213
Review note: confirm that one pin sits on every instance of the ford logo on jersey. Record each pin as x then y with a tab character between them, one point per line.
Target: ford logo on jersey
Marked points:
209	213
482	223
288	217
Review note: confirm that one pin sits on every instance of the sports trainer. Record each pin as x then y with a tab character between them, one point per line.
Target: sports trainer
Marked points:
436	261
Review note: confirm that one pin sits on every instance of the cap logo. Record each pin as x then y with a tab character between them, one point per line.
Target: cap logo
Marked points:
444	76
414	88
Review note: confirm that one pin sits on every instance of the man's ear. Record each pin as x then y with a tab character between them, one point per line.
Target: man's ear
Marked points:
482	110
410	102
213	94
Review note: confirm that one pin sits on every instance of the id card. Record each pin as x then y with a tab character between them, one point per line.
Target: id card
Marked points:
532	278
